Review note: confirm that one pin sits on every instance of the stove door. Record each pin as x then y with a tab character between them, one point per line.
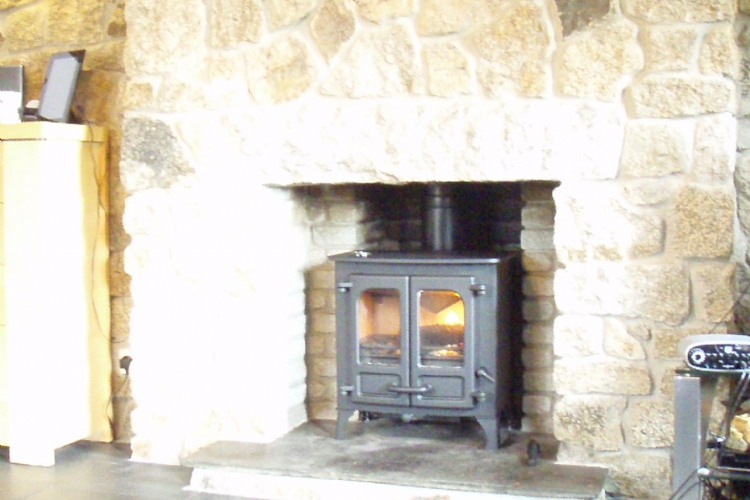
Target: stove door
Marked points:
380	360
442	343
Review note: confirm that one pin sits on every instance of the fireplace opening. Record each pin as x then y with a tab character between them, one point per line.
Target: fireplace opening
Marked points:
486	219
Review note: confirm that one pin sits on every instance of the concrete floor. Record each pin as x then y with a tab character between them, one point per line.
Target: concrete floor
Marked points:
95	471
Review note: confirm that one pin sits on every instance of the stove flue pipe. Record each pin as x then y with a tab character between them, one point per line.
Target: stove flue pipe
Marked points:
439	219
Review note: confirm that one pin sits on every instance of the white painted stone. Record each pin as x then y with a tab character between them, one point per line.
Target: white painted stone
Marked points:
577	335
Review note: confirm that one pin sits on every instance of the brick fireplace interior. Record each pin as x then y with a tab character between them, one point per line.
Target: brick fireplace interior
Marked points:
491	218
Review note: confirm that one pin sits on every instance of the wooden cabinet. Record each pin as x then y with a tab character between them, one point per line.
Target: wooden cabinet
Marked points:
55	364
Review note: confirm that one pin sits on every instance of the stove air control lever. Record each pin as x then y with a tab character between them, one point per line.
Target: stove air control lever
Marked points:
482	372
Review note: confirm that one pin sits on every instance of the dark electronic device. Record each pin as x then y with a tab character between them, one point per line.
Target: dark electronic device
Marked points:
60	86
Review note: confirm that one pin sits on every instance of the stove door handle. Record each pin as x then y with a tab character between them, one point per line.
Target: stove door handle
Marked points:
409	390
482	372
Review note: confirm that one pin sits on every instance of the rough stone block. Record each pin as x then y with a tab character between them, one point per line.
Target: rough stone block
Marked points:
448	70
743	134
443	17
538	191
638	475
538	215
594	66
378	10
578	335
117	27
719	54
668	48
577	16
280	71
9	4
666	339
346	212
701	222
713	287
77	21
592	223
323	323
538	261
538	333
538	424
331	26
536	404
647	192
322	367
24	28
538	285
512	51
119	280
321	278
137	95
659	292
541	309
654	148
537	239
537	357
233	22
688	11
379	63
714	149
151	49
619	342
603	375
667	96
283	13
540	380
590	421
649	423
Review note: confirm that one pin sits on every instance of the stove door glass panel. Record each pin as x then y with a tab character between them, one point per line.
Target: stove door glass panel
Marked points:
442	319
379	327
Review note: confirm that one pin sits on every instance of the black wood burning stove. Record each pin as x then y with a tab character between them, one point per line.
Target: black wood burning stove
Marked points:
426	334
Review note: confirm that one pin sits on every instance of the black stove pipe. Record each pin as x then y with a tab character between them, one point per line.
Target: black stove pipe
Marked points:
439	219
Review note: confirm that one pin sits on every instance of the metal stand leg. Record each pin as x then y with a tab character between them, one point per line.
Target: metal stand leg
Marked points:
489	426
693	396
341	420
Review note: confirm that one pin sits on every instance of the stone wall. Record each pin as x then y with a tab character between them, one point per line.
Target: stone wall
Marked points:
32	30
629	105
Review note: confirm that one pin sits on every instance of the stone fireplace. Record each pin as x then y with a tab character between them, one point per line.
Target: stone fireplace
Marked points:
251	127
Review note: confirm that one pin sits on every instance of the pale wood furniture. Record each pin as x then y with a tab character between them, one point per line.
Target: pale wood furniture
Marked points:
55	364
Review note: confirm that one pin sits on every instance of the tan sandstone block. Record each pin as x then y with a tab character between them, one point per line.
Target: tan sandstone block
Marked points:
120	319
280	71
603	375
619	342
590	421
744	6
233	22
137	95
331	26
713	290
538	285
513	50
714	148
689	11
442	17
537	357
657	292
639	475
647	192
669	49
700	222
593	66
593	224
119	280
117	26
649	423
576	15
538	261
75	21
538	215
380	63
24	29
666	339
653	148
719	54
448	72
538	333
538	380
9	4
536	404
578	335
105	57
378	10
666	96
283	13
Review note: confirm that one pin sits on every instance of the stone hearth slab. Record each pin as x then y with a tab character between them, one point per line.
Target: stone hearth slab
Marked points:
389	459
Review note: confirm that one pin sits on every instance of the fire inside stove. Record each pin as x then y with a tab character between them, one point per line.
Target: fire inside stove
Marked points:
441	320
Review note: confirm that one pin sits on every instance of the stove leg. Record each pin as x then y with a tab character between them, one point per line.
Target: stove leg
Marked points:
341	420
489	426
